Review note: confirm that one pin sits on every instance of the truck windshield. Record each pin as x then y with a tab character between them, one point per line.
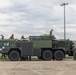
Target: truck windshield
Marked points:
5	43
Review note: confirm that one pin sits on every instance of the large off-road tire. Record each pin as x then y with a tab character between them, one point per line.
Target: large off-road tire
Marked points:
14	56
59	55
47	55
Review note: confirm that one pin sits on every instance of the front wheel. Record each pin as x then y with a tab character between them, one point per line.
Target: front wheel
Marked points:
14	55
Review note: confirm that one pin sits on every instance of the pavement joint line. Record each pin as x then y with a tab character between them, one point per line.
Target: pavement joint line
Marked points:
14	67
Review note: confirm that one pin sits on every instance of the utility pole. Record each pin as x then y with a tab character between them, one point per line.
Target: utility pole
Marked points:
64	4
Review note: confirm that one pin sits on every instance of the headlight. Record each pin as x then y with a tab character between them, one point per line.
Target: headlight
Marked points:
3	47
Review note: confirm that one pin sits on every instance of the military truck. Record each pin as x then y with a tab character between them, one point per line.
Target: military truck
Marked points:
44	47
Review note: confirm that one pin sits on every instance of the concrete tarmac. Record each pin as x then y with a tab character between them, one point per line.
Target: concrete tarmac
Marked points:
38	67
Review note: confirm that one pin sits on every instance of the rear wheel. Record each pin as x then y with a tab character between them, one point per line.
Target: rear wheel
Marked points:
14	56
59	55
47	55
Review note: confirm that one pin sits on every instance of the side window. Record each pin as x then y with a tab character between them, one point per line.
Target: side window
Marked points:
5	43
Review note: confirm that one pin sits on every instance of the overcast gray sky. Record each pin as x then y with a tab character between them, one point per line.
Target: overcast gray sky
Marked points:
36	17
